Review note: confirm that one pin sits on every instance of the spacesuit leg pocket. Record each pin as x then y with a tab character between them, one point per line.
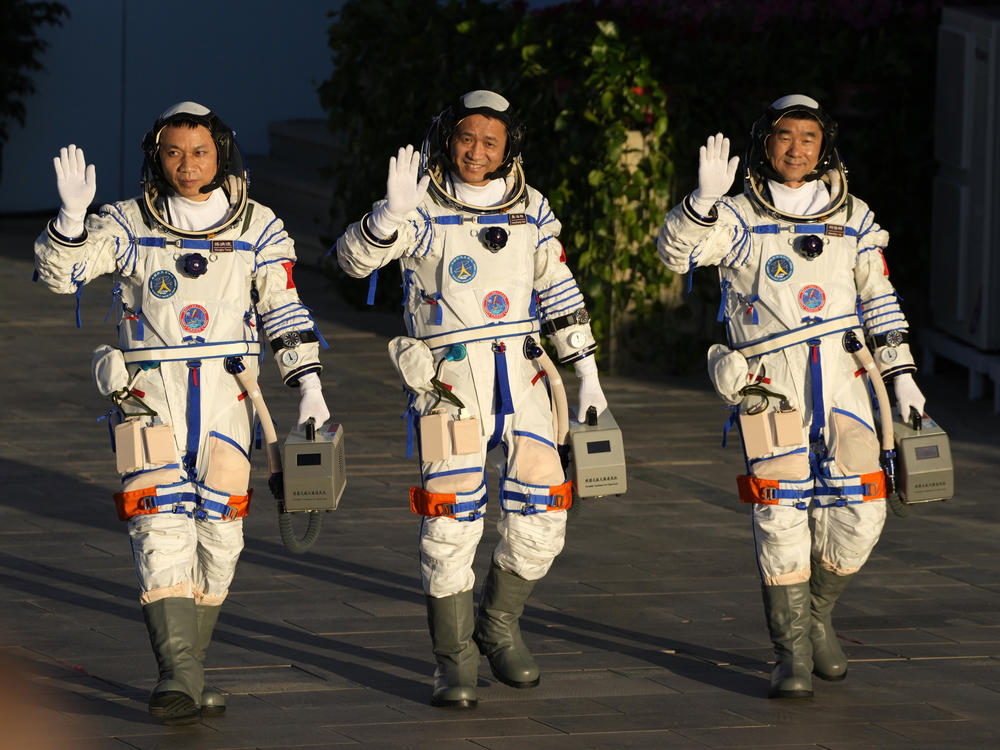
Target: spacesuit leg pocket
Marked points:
854	446
228	466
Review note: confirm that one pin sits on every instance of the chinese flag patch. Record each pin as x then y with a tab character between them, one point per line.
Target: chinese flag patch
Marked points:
287	265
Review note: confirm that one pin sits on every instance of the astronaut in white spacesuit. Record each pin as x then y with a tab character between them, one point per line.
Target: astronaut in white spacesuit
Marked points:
203	276
803	279
483	273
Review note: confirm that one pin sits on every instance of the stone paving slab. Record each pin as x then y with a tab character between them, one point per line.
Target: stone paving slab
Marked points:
649	628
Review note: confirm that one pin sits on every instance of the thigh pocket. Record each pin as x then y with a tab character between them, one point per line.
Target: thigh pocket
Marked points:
791	465
854	446
228	466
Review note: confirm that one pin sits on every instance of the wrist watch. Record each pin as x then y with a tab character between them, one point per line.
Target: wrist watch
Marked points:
577	317
292	339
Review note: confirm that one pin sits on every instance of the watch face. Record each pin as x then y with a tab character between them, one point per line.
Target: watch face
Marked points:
289	357
889	355
577	339
582	316
894	338
291	339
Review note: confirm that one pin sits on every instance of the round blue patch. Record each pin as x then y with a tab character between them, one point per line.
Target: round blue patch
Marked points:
779	268
462	269
162	284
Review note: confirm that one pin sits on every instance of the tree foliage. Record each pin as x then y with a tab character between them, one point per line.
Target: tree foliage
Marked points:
617	97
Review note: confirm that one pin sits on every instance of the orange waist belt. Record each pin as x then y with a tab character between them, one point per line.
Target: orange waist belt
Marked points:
146	501
446	504
870	486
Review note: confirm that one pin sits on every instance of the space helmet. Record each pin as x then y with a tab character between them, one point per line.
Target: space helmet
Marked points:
829	168
231	172
436	150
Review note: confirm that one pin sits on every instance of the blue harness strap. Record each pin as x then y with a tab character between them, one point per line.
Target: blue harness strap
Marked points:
816	378
372	283
209	245
506	402
193	418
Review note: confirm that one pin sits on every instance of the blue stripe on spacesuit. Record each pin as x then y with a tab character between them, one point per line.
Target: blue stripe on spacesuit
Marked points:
540	219
372	284
193	418
261	243
560	297
753	461
227	439
284	259
424	235
533	436
132	475
131	252
867	225
293	315
853	416
741	244
452	472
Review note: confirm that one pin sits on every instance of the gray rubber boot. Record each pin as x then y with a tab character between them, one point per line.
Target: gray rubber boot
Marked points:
213	703
829	660
450	620
173	633
498	634
788	620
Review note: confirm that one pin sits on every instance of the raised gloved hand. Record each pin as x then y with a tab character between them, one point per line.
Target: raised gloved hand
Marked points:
716	172
403	192
77	185
907	395
311	402
590	393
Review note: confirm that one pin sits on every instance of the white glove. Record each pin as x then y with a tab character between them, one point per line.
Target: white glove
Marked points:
590	393
716	172
403	192
312	403
77	185
907	395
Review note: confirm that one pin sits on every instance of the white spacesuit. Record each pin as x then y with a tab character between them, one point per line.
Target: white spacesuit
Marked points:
483	272
800	265
202	276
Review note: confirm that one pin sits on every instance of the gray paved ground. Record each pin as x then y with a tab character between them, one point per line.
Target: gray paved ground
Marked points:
649	629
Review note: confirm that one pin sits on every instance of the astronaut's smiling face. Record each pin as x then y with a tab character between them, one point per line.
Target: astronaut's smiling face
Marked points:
189	159
794	148
477	148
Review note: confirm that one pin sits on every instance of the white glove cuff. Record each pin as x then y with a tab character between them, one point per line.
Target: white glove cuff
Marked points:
69	225
309	382
702	203
382	222
586	366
